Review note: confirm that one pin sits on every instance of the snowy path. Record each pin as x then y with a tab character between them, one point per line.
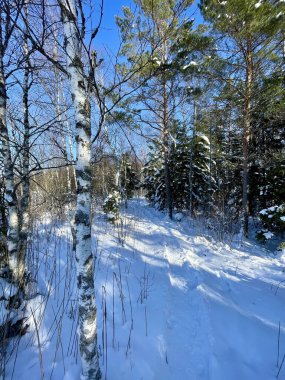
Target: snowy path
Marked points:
172	305
213	312
185	337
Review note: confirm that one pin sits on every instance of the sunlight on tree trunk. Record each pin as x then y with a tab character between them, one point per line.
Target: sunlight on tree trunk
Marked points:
84	257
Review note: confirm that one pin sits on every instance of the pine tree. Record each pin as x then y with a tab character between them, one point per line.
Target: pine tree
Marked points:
156	35
267	180
250	31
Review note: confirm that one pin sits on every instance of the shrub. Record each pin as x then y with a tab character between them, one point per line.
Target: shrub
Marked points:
111	206
273	221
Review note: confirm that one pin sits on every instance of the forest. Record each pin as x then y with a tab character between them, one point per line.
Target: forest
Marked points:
142	189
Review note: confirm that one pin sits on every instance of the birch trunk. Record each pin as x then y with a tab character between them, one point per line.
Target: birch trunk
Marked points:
25	199
87	328
58	83
69	143
63	139
10	194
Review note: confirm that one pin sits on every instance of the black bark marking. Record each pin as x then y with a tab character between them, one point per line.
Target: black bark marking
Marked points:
82	218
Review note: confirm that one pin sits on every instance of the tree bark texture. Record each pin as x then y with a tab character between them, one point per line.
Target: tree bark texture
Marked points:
87	328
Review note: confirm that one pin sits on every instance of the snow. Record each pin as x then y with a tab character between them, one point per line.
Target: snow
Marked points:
204	137
157	61
268	235
192	63
271	209
282	218
172	304
178	216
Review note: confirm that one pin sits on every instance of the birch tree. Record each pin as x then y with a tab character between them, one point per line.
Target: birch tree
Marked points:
24	216
80	90
9	15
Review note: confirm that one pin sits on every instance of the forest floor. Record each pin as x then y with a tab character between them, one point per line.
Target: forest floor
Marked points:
172	304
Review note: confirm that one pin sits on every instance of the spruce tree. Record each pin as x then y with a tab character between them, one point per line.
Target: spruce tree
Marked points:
180	164
153	172
128	178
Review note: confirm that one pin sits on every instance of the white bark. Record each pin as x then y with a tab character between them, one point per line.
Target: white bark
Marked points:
10	194
24	219
69	143
84	259
64	135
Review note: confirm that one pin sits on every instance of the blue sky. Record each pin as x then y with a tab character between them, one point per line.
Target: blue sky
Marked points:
108	34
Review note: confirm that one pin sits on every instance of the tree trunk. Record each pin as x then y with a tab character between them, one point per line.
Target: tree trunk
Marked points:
246	137
167	179
191	161
69	143
10	193
64	134
84	259
167	174
24	215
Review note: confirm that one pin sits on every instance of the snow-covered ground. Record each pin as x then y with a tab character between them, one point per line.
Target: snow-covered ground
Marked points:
172	304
